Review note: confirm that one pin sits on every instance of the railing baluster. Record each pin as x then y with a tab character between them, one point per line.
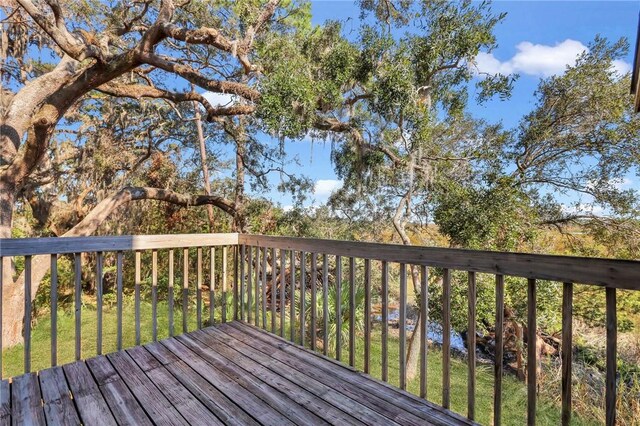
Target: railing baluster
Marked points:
402	323
424	300
274	287
303	290
367	315
471	347
249	283
185	288
257	282
224	283
171	292
264	288
137	297
54	310
154	295
199	289
352	310
531	352
385	320
212	283
27	314
314	300
235	284
446	338
325	303
283	285
612	338
119	296
292	297
499	351
77	265
338	307
99	260
566	350
243	259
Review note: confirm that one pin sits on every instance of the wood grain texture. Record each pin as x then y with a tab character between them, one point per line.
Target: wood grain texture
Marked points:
58	406
446	338
605	272
34	246
5	403
612	357
532	351
26	408
567	350
498	366
54	310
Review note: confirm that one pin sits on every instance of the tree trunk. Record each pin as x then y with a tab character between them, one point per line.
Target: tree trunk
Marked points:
203	162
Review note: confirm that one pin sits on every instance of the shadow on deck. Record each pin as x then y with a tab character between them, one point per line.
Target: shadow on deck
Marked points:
229	374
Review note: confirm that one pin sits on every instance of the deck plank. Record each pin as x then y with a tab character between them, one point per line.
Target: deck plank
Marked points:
26	407
92	407
58	406
406	405
121	401
272	396
248	401
217	402
5	403
150	398
294	391
182	400
327	393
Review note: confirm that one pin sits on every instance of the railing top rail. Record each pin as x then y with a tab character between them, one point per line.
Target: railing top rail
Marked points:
614	273
36	246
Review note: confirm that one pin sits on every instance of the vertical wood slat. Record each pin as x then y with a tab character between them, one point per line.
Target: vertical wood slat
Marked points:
424	278
471	347
257	288
612	338
367	315
99	261
199	289
446	338
236	315
532	328
385	320
77	266
137	296
402	323
27	314
498	366
274	287
303	290
292	296
352	310
338	307
185	288
314	299
249	284
264	288
283	285
325	303
54	311
212	284
171	291
243	253
225	254
119	297
154	295
566	350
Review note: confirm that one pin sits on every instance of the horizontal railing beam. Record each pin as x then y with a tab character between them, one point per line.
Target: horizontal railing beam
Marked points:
35	246
611	273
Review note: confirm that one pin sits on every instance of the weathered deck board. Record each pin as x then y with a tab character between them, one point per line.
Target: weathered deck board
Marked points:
232	374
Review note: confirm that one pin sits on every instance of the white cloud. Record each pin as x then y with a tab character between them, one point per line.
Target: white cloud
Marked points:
220	99
324	187
533	59
621	67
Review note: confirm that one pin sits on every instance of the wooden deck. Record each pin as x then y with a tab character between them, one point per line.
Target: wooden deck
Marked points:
229	374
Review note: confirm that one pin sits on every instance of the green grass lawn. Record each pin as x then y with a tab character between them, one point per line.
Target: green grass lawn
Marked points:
514	392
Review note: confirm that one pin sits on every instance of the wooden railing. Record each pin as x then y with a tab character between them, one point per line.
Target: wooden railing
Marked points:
273	278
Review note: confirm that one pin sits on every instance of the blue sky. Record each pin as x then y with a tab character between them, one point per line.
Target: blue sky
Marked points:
537	39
